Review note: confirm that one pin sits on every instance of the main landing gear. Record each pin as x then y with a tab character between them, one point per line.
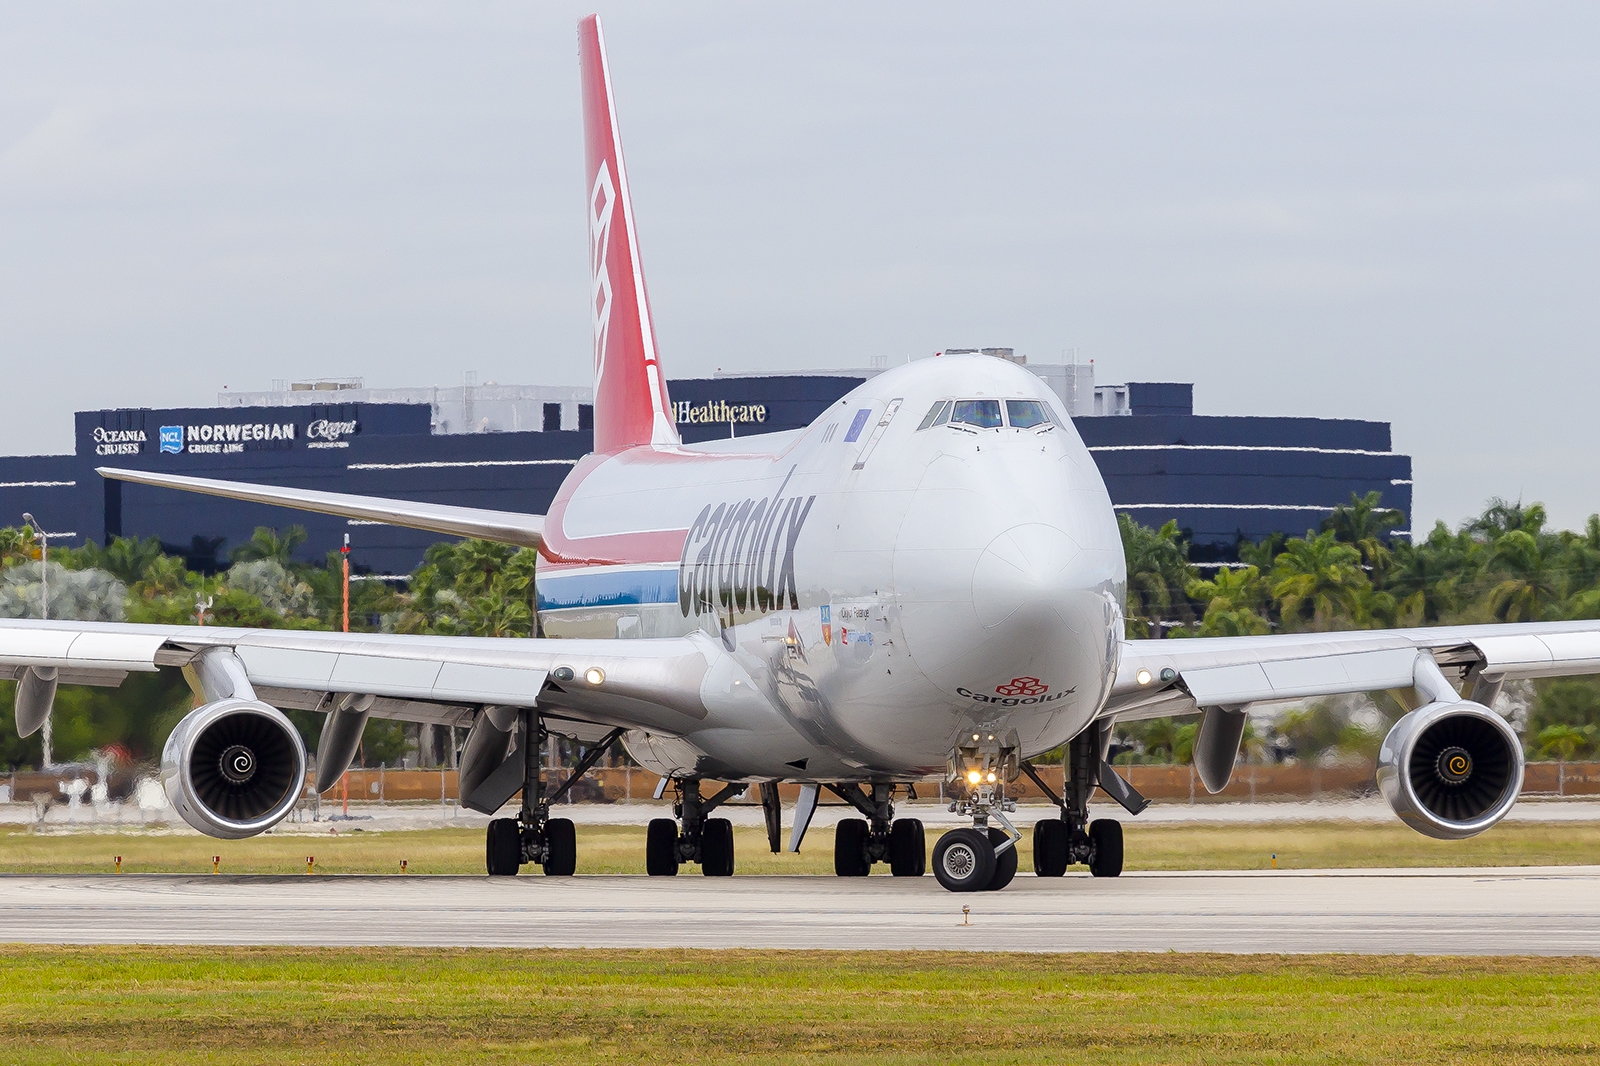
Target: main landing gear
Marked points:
879	837
1073	838
533	836
692	836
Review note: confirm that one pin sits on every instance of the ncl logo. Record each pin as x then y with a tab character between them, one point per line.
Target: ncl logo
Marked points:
172	439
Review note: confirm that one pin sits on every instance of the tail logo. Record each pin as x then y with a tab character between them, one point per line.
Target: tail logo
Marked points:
602	199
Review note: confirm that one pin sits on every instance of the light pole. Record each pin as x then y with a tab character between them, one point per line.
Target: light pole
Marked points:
44	563
44	612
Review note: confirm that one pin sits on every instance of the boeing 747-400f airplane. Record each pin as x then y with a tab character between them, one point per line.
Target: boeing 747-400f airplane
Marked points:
925	583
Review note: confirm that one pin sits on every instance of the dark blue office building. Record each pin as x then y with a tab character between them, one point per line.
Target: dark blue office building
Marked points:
1221	478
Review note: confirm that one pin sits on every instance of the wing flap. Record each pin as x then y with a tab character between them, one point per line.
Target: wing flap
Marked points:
505	527
1322	675
1224	671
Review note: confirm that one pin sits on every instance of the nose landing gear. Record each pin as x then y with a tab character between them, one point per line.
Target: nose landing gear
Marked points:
984	857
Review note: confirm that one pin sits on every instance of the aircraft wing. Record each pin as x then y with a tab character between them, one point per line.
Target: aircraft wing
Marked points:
651	684
506	527
1157	678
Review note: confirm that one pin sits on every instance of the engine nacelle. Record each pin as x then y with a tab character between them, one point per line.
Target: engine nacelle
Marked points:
1451	770
234	768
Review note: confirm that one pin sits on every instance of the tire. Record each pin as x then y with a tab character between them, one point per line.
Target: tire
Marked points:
908	848
1050	848
1106	837
503	847
560	848
716	848
850	848
1005	863
963	860
661	848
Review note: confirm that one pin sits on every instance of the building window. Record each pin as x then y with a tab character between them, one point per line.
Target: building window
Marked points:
552	418
586	418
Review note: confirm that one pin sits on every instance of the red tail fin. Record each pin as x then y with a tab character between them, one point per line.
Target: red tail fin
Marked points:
630	391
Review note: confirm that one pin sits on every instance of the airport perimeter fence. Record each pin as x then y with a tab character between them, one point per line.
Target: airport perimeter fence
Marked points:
1175	783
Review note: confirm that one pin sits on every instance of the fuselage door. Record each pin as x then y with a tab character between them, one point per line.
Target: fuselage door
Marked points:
877	432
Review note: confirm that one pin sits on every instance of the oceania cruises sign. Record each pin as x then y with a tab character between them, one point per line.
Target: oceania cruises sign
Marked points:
118	441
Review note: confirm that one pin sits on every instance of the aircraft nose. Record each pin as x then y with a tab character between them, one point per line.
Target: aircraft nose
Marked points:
1024	575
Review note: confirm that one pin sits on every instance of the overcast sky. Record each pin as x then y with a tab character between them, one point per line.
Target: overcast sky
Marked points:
1383	211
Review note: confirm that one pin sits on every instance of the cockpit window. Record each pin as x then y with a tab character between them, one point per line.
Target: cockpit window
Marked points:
984	414
1025	414
932	417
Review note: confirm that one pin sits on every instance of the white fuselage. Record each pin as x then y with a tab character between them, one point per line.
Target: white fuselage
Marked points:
882	589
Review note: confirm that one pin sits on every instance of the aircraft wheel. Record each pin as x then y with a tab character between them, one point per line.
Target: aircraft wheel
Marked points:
963	860
560	848
503	847
1005	863
1106	836
661	848
1050	848
716	848
850	848
908	848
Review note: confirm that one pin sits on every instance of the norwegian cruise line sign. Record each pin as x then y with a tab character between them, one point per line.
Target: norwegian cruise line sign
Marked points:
226	438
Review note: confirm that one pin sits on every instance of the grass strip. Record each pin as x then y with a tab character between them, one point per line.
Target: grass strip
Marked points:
280	1005
620	849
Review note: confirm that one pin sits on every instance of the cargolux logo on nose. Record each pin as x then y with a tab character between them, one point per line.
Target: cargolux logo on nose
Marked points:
1022	686
1018	692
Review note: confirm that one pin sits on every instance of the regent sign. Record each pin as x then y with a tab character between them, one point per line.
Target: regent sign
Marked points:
324	433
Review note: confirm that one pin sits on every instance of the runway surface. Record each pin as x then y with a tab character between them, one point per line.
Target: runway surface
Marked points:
1544	910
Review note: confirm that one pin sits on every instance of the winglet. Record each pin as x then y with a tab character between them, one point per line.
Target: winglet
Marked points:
630	391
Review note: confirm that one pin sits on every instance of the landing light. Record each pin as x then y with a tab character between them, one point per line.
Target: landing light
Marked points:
1143	677
594	675
991	777
973	777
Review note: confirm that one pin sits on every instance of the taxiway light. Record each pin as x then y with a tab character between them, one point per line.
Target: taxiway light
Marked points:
1143	677
991	777
562	673
594	675
973	777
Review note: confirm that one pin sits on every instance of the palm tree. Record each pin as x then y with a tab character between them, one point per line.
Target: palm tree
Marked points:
1500	518
1318	581
1426	578
1528	588
129	558
1158	574
16	545
265	543
1565	742
1235	601
1365	523
1260	555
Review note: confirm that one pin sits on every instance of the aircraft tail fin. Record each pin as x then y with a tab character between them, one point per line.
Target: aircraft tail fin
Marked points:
631	407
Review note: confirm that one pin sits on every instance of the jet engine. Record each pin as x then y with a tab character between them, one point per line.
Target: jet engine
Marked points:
234	768
1450	770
